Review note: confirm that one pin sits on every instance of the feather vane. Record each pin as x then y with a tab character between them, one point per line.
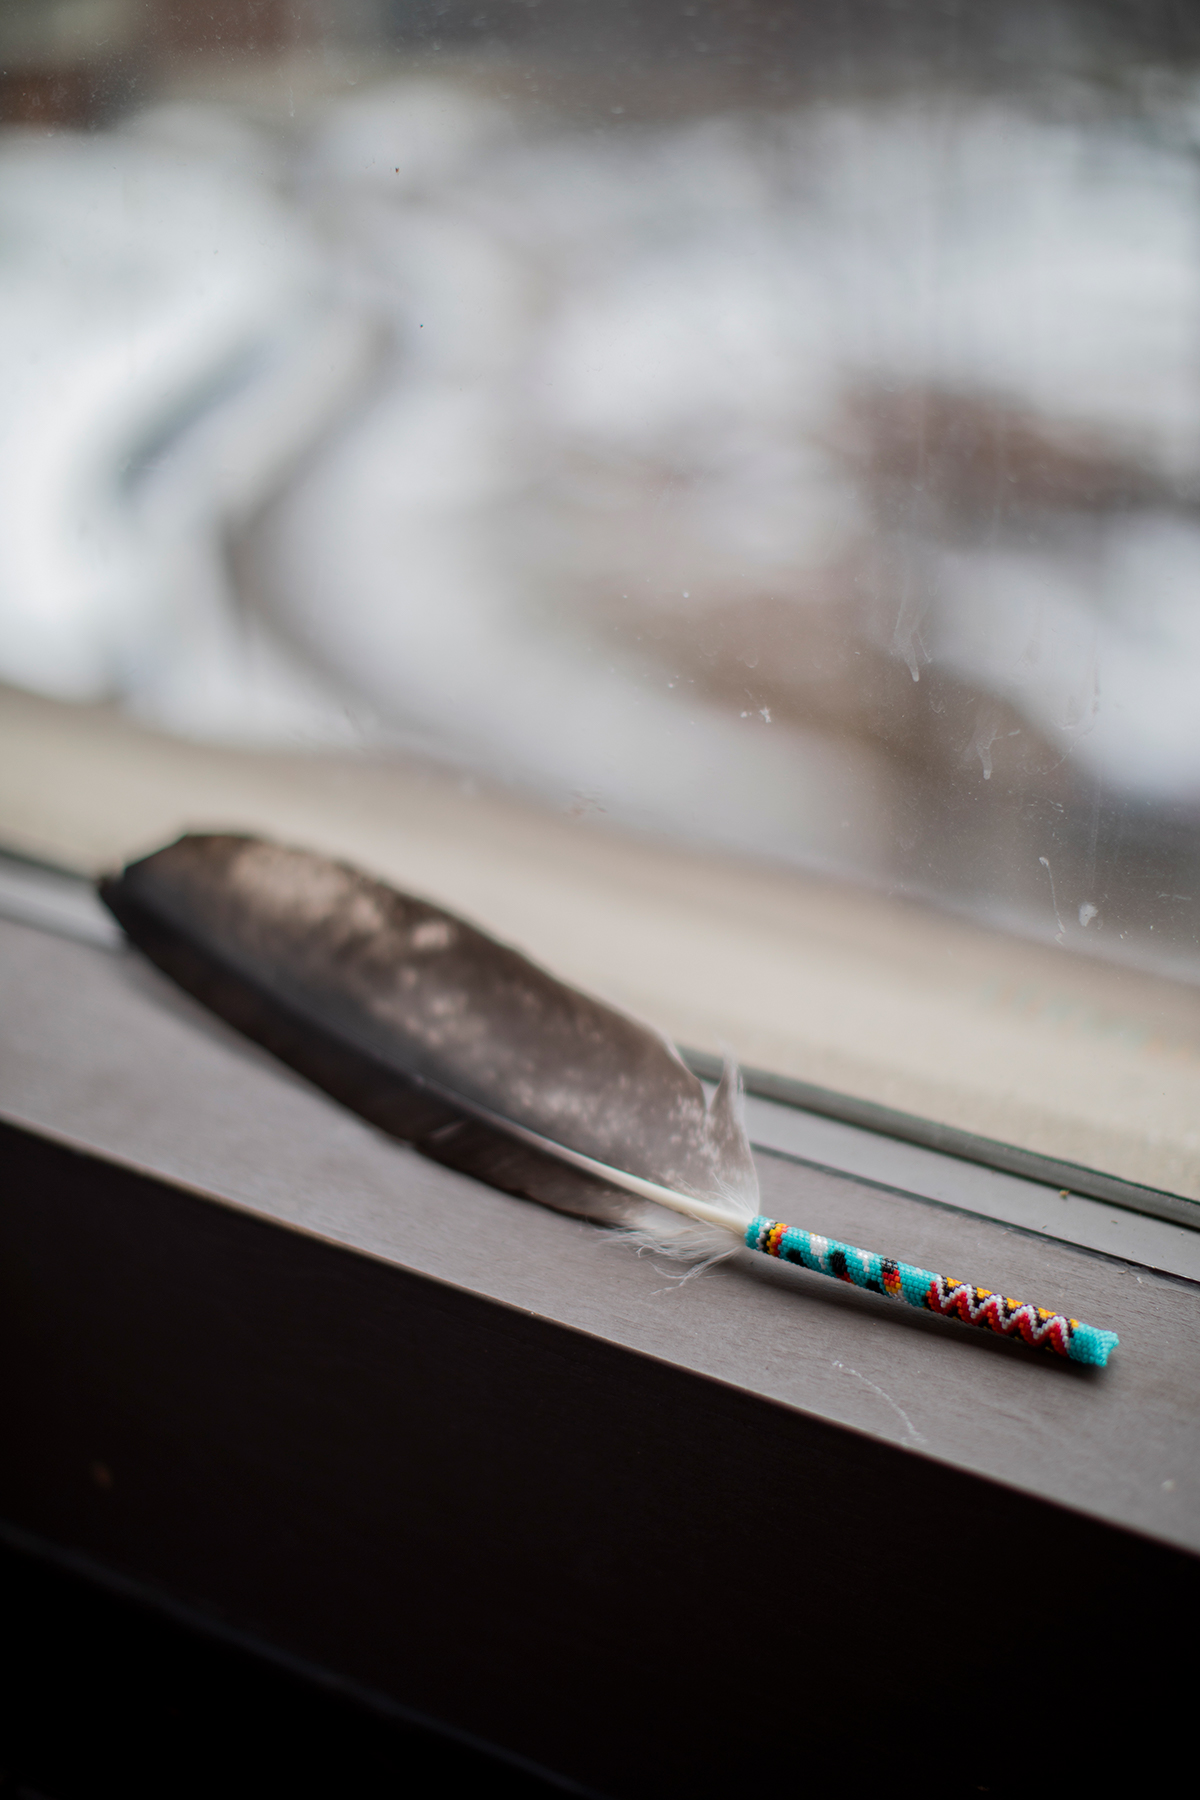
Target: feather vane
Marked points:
443	1036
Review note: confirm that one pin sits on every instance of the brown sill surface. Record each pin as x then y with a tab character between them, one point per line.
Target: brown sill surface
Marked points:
101	1054
476	1461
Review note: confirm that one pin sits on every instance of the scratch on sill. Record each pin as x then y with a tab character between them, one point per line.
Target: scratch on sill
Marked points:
916	1436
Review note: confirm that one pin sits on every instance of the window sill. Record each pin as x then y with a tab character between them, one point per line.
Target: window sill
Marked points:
283	1370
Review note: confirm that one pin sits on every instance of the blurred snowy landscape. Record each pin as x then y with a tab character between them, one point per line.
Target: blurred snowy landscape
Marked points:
820	482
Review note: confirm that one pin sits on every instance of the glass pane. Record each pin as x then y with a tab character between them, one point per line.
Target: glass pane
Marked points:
770	429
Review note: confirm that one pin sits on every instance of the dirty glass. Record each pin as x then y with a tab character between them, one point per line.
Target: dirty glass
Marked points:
767	425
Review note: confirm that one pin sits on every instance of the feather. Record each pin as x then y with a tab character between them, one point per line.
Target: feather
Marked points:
446	1038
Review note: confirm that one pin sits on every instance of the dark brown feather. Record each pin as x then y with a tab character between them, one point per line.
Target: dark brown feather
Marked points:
427	1026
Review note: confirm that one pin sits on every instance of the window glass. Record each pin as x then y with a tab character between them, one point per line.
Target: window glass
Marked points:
768	429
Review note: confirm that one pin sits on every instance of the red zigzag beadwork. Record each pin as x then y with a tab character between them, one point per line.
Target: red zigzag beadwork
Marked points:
980	1306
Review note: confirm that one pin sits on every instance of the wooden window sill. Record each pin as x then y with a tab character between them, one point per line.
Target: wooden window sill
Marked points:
483	1462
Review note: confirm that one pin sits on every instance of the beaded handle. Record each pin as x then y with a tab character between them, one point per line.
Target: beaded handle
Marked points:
933	1293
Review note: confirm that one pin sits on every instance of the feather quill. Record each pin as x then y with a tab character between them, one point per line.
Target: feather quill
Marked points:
461	1045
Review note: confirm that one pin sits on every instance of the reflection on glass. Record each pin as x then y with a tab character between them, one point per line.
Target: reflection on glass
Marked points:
774	428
